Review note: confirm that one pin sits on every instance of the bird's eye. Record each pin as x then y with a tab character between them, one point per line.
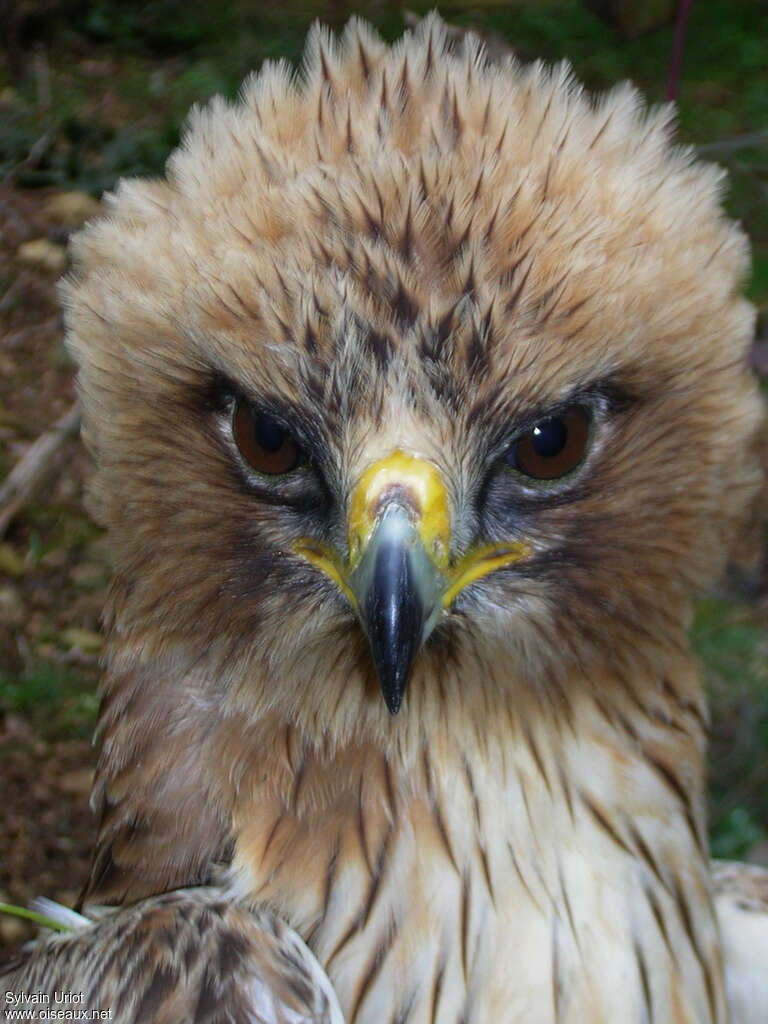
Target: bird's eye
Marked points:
553	447
264	444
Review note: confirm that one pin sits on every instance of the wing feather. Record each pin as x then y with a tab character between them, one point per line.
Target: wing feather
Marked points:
741	902
190	955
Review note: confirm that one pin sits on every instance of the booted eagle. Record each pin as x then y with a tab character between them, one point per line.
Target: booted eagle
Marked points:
418	400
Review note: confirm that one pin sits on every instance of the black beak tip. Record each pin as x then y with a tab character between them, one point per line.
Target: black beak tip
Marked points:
393	696
392	661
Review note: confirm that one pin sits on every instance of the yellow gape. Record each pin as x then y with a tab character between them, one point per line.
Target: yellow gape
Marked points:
398	575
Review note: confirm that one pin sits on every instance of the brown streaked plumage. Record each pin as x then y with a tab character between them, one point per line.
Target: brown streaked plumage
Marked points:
193	955
433	277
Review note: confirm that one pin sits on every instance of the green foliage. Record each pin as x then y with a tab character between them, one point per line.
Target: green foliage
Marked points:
162	25
732	642
55	698
758	283
733	646
735	834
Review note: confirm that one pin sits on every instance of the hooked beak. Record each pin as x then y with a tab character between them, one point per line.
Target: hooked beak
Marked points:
398	590
398	577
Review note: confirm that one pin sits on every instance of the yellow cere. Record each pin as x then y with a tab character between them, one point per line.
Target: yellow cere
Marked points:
415	476
481	561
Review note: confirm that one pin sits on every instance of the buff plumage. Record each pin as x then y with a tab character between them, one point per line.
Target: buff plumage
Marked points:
407	249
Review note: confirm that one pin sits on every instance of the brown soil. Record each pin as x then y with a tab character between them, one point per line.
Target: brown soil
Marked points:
46	826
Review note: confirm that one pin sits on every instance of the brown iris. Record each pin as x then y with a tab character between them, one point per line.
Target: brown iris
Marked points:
553	447
263	442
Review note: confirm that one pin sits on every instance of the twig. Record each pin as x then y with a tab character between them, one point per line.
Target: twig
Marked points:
676	65
43	80
36	153
33	467
736	142
16	286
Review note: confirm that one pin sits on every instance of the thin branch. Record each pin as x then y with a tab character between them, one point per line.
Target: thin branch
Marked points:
676	65
37	151
736	142
32	469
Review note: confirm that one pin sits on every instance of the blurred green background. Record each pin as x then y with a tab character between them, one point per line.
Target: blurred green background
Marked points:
90	91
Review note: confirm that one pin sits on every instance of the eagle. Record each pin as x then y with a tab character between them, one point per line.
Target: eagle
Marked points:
418	398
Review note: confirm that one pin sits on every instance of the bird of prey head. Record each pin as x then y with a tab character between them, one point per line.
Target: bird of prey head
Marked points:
413	366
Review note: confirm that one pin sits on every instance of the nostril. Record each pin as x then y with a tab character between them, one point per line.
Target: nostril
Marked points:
398	494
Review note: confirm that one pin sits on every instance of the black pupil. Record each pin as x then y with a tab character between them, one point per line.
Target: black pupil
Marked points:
549	437
269	435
